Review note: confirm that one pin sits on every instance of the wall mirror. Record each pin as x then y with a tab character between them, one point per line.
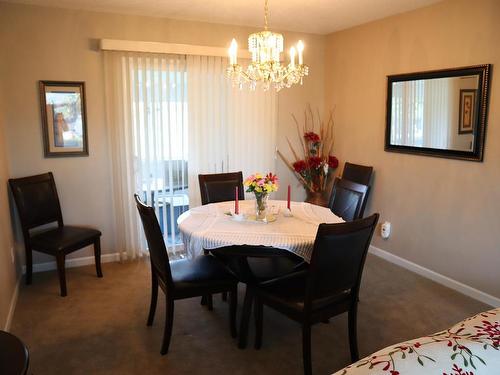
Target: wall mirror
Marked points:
438	113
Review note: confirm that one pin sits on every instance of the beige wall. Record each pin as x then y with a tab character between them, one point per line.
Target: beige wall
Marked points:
56	44
445	213
8	271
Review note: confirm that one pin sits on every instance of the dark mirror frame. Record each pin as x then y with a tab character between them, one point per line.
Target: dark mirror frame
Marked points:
483	71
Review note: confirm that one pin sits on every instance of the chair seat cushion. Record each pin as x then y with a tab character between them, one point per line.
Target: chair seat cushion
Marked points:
289	292
66	238
202	273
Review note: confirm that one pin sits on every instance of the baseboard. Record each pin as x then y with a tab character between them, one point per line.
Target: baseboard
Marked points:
12	308
74	262
437	277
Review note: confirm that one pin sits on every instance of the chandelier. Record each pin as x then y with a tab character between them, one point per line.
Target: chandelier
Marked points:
266	68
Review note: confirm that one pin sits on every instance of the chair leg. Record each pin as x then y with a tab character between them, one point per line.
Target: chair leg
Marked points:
245	317
353	336
258	311
97	256
233	304
306	348
169	321
224	296
60	260
29	266
210	302
154	298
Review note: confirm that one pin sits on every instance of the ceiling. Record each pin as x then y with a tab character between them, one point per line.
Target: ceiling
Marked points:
312	16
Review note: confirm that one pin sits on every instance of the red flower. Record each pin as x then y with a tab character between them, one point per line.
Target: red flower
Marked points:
333	162
272	178
311	137
394	372
299	166
417	345
315	162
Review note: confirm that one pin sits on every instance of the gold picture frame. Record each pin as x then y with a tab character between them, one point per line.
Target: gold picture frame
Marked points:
64	118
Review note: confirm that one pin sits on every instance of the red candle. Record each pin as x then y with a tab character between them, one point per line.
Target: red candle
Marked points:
288	199
236	203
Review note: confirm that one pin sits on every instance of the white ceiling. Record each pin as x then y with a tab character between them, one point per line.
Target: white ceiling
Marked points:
313	16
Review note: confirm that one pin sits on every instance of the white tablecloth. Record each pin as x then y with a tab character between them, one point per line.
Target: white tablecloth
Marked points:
208	227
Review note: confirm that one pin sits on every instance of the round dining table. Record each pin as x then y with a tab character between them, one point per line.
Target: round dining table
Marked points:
214	226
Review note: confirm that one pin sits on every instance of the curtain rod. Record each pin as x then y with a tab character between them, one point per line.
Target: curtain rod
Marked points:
169	48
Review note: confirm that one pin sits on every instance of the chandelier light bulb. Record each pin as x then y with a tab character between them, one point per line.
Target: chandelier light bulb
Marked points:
292	57
300	49
233	51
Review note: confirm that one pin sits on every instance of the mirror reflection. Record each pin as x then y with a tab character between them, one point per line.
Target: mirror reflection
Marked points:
437	113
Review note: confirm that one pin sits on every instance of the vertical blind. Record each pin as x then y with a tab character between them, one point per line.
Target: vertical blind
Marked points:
147	108
229	129
170	118
421	112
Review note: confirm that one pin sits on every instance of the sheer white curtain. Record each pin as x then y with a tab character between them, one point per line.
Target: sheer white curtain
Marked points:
147	117
171	117
230	129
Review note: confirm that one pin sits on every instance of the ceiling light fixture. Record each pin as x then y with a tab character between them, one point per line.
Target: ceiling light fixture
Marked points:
266	68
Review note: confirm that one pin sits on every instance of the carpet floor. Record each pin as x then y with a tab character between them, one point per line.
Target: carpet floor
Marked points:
100	327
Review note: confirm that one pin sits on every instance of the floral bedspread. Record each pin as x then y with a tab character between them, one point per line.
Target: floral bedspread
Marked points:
471	347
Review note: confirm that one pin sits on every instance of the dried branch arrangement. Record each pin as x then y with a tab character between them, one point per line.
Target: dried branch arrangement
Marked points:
315	161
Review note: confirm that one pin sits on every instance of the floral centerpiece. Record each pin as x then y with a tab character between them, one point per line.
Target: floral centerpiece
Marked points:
261	186
317	163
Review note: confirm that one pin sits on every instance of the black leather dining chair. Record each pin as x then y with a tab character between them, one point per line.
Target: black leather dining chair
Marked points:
38	204
215	188
348	199
361	174
14	355
183	278
329	287
219	187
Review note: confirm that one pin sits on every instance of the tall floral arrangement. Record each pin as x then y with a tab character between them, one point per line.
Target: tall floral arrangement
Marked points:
316	162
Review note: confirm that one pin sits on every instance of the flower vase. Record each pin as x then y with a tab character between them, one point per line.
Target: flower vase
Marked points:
261	206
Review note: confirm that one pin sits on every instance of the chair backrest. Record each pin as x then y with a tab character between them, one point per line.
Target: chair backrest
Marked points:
338	258
360	174
156	244
37	201
348	199
220	187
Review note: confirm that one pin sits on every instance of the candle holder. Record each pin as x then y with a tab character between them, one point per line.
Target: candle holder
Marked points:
238	217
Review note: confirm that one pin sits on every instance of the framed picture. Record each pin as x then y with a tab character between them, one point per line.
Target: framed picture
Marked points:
467	111
64	118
